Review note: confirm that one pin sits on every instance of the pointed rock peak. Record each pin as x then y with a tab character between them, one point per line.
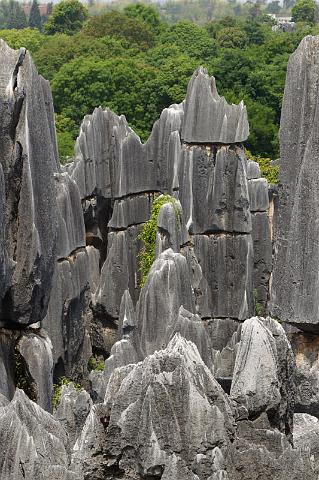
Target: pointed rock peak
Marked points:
127	319
208	118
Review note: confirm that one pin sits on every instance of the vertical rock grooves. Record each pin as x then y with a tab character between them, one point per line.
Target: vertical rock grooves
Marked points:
194	386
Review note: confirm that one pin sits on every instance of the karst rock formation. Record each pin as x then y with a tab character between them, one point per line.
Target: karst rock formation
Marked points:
211	367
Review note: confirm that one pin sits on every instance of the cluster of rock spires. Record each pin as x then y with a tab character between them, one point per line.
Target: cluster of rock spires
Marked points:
195	385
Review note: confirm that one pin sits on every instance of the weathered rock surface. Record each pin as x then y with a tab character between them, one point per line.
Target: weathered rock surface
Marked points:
306	436
152	415
295	284
263	374
305	347
213	190
36	351
208	118
28	150
36	446
74	279
226	261
72	411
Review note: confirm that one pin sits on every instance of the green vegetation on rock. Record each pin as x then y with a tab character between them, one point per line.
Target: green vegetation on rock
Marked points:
94	364
148	235
57	390
258	306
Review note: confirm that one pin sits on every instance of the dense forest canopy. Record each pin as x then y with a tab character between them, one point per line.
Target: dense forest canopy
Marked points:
138	60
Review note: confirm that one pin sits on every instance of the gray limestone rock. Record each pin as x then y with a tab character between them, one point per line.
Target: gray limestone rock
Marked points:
262	379
71	231
36	351
258	195
208	118
224	335
74	278
305	347
306	436
262	247
7	361
36	446
166	289
213	190
28	162
225	289
171	233
252	170
131	210
119	272
96	150
295	284
144	167
72	411
161	416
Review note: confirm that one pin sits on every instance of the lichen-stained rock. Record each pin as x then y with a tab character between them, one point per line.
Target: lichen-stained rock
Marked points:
166	289
262	247
225	289
72	411
258	195
262	379
66	318
208	118
36	446
295	283
164	416
36	351
28	161
213	190
71	231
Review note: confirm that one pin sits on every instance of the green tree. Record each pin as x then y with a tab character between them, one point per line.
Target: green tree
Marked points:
67	17
191	39
35	17
304	11
273	7
12	15
232	37
145	13
127	86
60	49
29	38
117	24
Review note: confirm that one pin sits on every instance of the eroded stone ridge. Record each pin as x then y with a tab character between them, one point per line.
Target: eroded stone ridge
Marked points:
208	118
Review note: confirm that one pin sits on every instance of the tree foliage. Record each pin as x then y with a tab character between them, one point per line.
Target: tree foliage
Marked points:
116	24
304	11
35	17
67	17
12	15
135	63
